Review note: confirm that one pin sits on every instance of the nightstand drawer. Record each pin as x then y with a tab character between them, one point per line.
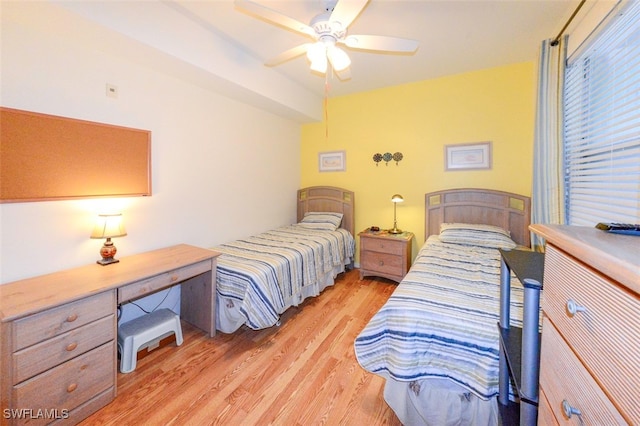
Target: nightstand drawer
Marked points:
38	358
70	384
385	255
53	322
383	245
601	330
564	378
150	285
382	262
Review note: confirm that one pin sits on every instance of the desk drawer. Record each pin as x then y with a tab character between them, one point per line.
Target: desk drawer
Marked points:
153	284
38	358
564	378
605	334
53	322
383	245
70	384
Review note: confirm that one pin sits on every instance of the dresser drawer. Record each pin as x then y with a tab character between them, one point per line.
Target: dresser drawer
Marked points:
42	356
150	285
70	384
385	245
382	262
605	333
564	378
545	413
53	322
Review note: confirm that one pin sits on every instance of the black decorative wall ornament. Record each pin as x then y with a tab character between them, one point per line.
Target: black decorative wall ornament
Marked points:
397	157
387	156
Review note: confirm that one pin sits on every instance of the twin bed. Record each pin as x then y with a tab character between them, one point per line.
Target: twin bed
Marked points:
435	341
260	277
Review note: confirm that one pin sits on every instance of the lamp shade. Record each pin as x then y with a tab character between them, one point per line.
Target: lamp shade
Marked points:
339	59
109	226
317	54
397	198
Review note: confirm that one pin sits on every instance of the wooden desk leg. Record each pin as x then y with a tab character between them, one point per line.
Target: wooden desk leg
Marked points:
198	300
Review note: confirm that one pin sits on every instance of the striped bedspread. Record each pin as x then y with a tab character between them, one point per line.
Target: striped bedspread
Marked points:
263	275
441	320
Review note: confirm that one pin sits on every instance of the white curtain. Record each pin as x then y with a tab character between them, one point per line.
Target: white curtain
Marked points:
547	203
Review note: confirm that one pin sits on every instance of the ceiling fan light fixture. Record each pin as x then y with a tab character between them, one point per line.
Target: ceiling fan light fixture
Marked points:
319	65
316	52
339	58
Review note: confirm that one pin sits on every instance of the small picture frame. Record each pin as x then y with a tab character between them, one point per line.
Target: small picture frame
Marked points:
333	161
467	156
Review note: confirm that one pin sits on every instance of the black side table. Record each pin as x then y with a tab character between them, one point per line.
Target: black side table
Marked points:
520	347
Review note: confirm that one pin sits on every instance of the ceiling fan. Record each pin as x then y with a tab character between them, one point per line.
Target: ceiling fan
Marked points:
327	30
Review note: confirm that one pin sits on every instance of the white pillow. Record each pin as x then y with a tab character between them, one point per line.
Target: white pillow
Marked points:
322	220
476	235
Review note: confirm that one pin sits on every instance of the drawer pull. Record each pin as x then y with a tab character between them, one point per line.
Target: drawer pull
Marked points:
569	410
72	318
174	278
71	346
573	308
72	387
381	263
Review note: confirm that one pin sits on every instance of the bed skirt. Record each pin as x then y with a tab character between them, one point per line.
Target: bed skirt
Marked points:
439	402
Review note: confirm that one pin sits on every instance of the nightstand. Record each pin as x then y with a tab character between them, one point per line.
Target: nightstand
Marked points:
386	255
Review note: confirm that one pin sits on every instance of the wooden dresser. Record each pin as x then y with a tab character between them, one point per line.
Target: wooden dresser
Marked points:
385	255
590	356
58	354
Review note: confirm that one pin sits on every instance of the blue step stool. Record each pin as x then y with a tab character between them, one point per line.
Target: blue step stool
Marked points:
143	332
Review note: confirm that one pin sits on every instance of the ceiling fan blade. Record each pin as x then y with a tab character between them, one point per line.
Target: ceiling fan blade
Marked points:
345	11
274	17
288	54
384	43
345	74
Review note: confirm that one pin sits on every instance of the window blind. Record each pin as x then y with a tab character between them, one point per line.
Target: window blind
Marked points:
602	125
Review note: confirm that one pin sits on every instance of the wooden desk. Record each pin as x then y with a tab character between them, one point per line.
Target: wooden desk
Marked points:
59	330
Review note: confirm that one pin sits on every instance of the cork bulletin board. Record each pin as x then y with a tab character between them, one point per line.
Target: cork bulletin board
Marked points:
46	157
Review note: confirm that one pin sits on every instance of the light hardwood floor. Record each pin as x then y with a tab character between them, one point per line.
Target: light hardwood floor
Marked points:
303	372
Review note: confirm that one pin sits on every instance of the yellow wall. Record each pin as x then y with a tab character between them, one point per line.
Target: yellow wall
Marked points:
418	120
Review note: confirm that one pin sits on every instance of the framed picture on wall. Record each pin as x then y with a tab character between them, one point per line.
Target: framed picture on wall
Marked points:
333	161
467	156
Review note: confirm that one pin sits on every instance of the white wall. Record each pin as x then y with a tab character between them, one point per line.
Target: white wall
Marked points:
221	169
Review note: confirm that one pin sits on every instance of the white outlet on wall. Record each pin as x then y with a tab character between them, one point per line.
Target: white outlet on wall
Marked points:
112	91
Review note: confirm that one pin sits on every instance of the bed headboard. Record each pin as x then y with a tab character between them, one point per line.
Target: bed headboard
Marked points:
328	199
504	209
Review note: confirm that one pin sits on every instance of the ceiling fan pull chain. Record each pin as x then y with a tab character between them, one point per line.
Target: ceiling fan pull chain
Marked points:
326	107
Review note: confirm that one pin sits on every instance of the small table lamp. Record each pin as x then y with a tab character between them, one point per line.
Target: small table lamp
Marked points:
108	226
397	198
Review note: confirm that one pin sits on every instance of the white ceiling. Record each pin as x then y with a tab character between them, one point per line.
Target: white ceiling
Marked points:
219	47
455	36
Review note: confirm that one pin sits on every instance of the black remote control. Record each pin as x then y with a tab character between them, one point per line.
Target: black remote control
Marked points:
620	228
